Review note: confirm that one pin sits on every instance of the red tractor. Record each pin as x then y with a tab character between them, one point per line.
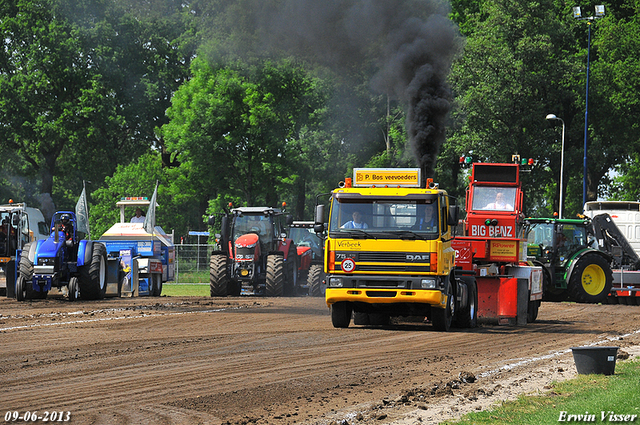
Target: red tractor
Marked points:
255	255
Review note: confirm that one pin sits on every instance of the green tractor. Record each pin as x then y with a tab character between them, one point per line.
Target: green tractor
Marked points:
574	269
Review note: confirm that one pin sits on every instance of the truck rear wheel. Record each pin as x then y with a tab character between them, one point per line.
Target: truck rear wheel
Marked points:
93	276
443	317
275	276
468	317
316	289
24	281
219	282
341	314
590	280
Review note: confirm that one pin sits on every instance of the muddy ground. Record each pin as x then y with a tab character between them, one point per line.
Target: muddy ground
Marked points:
197	360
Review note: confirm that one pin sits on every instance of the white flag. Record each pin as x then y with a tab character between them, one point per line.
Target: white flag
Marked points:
150	219
82	213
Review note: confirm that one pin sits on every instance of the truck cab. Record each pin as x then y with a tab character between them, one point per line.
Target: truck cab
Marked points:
384	258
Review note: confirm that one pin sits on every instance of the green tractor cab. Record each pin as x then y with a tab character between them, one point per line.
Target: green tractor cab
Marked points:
574	269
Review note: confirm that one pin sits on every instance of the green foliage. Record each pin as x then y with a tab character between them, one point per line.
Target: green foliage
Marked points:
135	179
276	109
82	88
239	129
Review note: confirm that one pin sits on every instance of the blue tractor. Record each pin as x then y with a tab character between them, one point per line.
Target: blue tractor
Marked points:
62	260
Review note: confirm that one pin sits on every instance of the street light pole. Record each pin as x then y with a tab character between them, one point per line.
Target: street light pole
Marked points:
586	120
578	15
553	117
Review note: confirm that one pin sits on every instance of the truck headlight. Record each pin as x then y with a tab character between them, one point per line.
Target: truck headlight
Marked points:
428	284
335	282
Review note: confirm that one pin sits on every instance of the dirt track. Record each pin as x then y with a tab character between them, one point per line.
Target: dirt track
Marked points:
271	360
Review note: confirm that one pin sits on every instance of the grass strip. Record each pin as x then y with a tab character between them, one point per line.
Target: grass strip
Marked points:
598	398
185	290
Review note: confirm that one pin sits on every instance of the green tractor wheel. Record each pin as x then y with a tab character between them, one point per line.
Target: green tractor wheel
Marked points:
590	280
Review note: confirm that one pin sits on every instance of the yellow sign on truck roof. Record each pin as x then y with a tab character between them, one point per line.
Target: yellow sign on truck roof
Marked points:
393	177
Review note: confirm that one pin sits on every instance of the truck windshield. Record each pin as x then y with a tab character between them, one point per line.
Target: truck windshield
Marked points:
493	198
385	219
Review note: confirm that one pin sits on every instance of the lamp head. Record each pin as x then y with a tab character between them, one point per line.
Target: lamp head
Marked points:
577	13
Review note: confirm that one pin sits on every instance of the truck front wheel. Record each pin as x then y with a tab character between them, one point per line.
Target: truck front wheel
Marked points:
443	317
341	314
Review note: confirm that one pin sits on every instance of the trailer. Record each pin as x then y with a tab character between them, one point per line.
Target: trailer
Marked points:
617	227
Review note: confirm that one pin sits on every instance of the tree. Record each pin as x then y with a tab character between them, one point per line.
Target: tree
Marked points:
512	73
237	128
49	93
84	86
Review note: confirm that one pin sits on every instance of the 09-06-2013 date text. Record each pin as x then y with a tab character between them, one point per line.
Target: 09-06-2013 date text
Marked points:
46	416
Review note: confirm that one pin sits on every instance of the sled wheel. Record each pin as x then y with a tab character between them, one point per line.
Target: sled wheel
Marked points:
443	317
532	311
74	289
341	314
21	288
158	286
275	276
152	286
590	280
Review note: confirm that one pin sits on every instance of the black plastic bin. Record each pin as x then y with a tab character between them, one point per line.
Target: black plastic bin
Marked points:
595	360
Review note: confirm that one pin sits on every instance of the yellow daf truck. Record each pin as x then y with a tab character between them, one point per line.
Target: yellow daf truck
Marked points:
388	252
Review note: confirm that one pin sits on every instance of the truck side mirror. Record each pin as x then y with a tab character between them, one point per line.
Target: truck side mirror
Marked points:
452	219
289	219
212	220
318	226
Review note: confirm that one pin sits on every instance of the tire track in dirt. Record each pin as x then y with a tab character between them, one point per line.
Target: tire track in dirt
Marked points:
277	362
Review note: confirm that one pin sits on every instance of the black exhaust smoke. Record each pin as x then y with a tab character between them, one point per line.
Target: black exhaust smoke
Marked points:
411	43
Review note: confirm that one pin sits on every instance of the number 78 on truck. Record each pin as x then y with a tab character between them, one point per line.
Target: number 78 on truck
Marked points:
388	252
